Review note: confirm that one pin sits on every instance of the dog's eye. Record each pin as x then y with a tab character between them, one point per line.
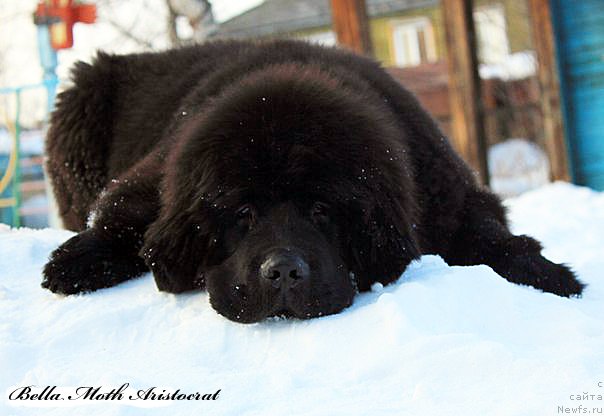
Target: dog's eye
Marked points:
320	212
245	215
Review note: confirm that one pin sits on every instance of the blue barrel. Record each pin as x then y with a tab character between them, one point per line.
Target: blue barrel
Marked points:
579	32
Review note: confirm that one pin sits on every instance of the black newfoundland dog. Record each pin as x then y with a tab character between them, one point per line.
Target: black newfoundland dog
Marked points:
282	177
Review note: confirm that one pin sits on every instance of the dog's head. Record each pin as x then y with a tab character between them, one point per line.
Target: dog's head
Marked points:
288	193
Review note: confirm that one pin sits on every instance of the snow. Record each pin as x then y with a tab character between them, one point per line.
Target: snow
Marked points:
442	340
517	166
517	65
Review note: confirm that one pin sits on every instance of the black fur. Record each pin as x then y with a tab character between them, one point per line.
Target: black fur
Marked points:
207	160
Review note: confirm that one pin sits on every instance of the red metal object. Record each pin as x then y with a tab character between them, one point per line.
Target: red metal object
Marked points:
60	16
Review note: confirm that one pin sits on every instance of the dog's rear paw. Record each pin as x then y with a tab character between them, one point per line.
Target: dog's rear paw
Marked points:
537	271
85	263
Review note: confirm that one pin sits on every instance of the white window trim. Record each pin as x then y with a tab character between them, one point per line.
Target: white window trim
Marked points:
410	56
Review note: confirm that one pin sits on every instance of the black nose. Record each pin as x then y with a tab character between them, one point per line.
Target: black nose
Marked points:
284	268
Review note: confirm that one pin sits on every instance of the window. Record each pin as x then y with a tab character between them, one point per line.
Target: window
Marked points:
493	45
413	42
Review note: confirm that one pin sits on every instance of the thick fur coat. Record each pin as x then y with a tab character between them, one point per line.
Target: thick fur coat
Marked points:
280	176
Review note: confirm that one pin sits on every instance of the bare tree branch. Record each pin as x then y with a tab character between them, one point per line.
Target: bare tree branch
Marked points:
128	33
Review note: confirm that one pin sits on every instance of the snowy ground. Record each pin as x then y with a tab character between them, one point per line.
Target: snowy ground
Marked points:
442	341
517	166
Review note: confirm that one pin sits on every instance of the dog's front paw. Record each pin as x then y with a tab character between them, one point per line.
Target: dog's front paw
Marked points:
85	263
537	271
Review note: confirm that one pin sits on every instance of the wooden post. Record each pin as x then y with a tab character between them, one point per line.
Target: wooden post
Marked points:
464	86
543	37
351	25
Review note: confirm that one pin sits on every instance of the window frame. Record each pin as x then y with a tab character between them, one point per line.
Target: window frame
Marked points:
413	55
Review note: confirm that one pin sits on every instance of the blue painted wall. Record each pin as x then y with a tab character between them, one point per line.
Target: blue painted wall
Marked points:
579	30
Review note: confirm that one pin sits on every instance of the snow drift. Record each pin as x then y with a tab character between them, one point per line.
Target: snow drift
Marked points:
443	340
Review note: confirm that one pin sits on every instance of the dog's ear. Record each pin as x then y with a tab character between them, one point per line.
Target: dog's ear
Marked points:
177	248
381	245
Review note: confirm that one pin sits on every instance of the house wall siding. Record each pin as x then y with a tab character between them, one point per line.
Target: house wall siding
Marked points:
516	16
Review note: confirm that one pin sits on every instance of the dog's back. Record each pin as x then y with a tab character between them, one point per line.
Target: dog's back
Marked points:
117	109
